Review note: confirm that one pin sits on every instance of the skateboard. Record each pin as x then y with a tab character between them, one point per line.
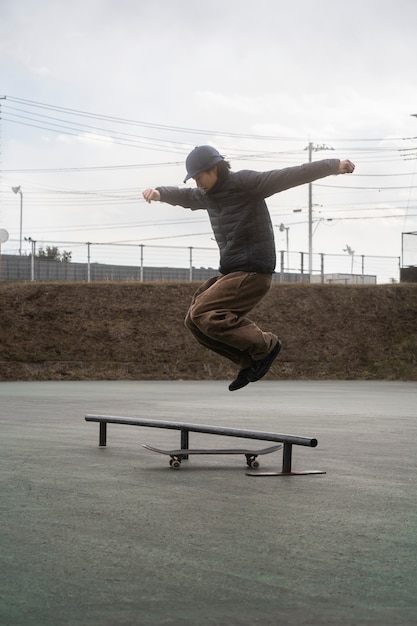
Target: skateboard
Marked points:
178	455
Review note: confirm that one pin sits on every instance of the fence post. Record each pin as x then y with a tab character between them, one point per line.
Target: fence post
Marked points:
88	262
302	266
32	260
322	266
141	262
191	263
281	278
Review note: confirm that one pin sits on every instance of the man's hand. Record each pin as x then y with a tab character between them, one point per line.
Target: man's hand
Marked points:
151	194
346	167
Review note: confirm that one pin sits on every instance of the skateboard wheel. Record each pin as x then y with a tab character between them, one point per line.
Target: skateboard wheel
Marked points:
175	464
254	464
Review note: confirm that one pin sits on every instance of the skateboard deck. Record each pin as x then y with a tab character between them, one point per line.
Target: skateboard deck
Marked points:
178	455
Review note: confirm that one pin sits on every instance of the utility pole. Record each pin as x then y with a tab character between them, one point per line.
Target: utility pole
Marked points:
32	257
282	227
312	148
19	191
1	177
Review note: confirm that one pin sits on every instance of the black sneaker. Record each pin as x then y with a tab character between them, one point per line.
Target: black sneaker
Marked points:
241	380
259	368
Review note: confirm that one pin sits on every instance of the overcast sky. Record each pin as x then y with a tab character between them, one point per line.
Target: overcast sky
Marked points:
112	95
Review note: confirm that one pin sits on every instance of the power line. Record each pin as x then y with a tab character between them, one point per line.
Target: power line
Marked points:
355	188
120	120
182	129
115	140
93	168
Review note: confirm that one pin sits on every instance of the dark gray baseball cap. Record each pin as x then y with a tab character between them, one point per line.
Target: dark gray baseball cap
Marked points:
200	159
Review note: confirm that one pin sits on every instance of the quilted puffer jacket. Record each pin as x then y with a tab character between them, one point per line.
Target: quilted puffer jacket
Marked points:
239	215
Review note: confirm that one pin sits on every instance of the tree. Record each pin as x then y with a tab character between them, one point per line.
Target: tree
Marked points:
52	253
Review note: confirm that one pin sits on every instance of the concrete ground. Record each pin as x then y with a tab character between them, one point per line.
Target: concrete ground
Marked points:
114	537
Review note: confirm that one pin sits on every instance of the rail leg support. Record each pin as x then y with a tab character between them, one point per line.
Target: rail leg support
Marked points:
184	441
102	434
286	458
286	466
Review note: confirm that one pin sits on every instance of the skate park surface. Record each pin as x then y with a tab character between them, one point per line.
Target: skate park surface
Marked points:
112	536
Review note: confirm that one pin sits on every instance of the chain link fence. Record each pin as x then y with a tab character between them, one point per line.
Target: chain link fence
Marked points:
122	262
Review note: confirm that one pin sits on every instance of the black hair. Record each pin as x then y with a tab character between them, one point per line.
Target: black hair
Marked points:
223	170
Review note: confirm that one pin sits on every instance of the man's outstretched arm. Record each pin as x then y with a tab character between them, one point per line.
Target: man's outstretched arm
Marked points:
189	198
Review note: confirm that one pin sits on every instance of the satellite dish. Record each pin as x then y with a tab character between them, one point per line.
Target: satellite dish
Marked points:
4	235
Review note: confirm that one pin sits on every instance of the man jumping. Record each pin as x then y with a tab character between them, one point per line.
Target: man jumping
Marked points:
239	216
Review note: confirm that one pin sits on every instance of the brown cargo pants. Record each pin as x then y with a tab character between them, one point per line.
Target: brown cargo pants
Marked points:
217	317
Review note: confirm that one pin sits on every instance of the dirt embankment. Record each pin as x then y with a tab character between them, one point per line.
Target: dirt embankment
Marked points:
135	331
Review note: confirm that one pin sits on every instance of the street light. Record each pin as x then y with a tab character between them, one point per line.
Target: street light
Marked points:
19	191
351	252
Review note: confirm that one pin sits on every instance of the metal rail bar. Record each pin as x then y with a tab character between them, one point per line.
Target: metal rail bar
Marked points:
185	428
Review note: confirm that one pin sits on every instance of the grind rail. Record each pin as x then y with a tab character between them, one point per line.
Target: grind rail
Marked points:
287	440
